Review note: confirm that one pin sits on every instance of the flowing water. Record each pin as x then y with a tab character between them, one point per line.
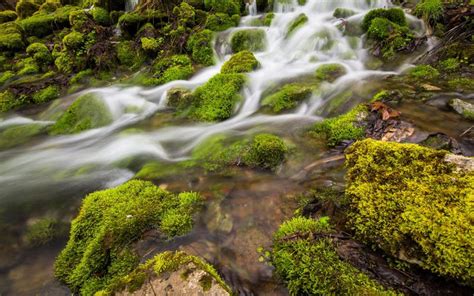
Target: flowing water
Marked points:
50	175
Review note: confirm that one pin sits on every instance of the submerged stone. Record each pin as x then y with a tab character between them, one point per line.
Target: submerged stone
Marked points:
287	97
463	108
19	134
250	39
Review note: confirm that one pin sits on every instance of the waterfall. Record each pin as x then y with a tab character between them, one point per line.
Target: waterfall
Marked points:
130	4
318	41
251	7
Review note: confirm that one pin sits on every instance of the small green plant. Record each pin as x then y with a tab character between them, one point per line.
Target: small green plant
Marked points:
41	232
423	72
46	94
450	64
266	151
430	10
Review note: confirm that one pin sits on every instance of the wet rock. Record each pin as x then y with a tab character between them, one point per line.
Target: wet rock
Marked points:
179	97
464	108
384	123
462	163
441	141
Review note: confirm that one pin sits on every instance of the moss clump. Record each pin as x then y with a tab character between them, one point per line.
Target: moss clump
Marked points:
43	23
26	8
11	37
251	40
395	15
450	64
151	44
99	252
8	101
423	72
221	21
461	84
41	232
131	22
40	53
266	151
216	99
200	46
73	40
343	12
287	97
230	7
177	67
85	113
46	94
66	62
241	62
101	16
19	134
126	53
297	23
397	191
268	18
169	262
340	128
7	16
313	267
5	76
430	10
28	66
330	72
78	19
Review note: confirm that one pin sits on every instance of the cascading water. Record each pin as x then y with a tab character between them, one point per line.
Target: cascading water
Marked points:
130	4
317	42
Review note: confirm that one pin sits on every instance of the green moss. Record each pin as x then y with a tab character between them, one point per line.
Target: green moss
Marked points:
179	98
8	101
87	112
230	7
26	8
40	53
430	10
343	12
19	134
241	62
41	232
221	21
46	94
177	67
423	72
268	18
78	19
99	253
49	6
380	28
28	66
249	39
128	55
450	64
101	16
5	76
461	84
216	99
343	127
81	77
44	23
65	62
395	15
287	97
266	151
131	22
200	46
330	72
73	40
11	37
311	266
151	44
297	23
397	191
7	16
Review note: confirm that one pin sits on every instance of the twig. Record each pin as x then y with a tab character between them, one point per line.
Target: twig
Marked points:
466	131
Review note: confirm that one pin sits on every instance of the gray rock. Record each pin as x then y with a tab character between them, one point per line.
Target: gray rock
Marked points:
462	107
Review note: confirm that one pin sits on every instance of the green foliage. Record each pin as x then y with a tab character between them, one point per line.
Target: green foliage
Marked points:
313	267
177	67
5	76
241	62
19	134
287	97
330	72
200	46
46	94
179	98
127	54
423	72
343	127
297	23
73	40
216	99
430	10
343	12
176	222
230	7
395	15
461	84
8	101
65	62
99	251
397	191
268	18
380	28
221	21
85	113
151	44
26	8
78	19
40	53
101	16
49	6
450	64
249	39
266	151
41	232
7	16
11	37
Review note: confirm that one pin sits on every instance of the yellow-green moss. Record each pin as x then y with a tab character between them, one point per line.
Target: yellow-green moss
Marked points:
287	97
46	94
330	72
11	37
221	21
177	67
7	16
200	46
241	62
249	39
297	23
408	201
19	134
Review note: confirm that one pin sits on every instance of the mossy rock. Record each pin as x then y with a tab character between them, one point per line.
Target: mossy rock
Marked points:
266	151
179	98
249	39
26	8
176	271
19	134
306	260
7	16
221	21
241	62
330	72
44	23
423	72
200	46
395	15
217	98
297	23
9	101
99	251
87	112
343	127
177	67
287	97
343	12
40	53
229	7
11	37
397	191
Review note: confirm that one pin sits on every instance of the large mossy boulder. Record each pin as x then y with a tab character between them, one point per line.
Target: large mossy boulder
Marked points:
100	251
242	62
249	39
287	97
200	46
414	204
19	134
11	37
306	260
44	23
87	112
7	16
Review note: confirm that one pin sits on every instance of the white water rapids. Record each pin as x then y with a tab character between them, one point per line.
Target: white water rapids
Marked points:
55	159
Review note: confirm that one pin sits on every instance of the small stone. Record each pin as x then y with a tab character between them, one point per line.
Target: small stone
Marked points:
464	108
